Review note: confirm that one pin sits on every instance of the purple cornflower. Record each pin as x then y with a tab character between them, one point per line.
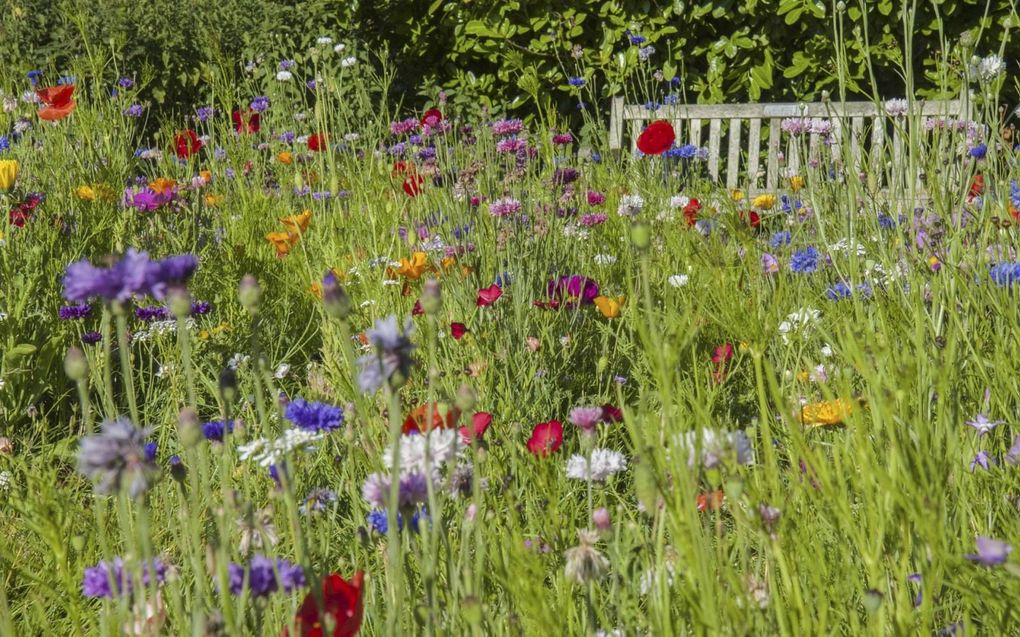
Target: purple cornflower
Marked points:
117	457
173	271
125	82
505	127
981	459
982	424
317	500
585	418
314	416
214	430
570	289
504	207
108	579
393	356
91	338
804	261
564	176
260	104
152	313
769	263
198	308
135	110
562	139
74	312
1013	455
263	576
83	281
204	113
990	552
593	219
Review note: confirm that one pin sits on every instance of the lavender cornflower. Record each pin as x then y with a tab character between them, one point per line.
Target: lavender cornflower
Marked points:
506	127
780	239
135	110
263	576
125	82
116	456
260	104
504	207
839	291
805	261
108	579
75	312
317	500
982	424
990	552
214	430
980	460
204	113
585	418
173	271
83	281
91	338
314	416
392	359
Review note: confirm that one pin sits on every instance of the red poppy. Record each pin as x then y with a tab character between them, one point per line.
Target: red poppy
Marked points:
187	144
977	186
488	296
443	417
657	138
18	217
417	310
412	184
611	414
546	438
249	122
691	211
341	602
458	330
551	304
317	142
479	423
431	117
401	168
57	102
722	355
751	217
711	501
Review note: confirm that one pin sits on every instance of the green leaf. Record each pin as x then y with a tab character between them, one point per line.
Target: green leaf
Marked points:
18	351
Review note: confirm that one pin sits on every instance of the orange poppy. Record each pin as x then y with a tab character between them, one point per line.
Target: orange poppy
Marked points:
282	241
162	185
414	267
57	102
443	417
297	223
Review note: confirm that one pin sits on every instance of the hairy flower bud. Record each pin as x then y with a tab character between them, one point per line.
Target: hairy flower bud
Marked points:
76	366
249	293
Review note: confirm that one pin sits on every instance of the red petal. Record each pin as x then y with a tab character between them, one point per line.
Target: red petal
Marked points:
457	330
657	138
488	296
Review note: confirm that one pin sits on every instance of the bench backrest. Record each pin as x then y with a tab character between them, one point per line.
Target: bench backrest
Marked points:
848	122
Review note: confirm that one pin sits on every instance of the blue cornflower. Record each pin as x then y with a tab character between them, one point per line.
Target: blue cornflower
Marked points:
287	64
780	239
839	291
687	151
203	113
804	261
864	289
637	40
259	576
652	106
576	81
98	579
135	110
34	77
1005	274
380	524
790	205
885	222
671	100
675	81
66	79
125	82
150	449
215	429
5	143
314	416
979	151
260	104
1014	190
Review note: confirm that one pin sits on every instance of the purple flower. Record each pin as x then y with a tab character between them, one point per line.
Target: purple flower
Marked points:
769	263
169	272
74	312
981	459
564	176
108	579
314	416
145	199
152	313
260	104
1013	455
393	356
135	110
83	281
91	338
215	429
982	424
572	289
125	82
117	457
263	576
990	552
199	308
585	418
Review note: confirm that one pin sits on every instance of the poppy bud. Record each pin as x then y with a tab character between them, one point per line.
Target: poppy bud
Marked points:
177	469
249	293
640	236
334	297
228	385
431	297
76	366
179	302
190	431
465	399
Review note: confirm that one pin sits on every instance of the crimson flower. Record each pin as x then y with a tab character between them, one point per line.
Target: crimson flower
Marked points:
431	117
488	296
611	414
657	138
187	143
412	184
317	142
977	186
751	217
691	211
57	101
479	423
458	330
417	310
722	355
341	602
245	123
546	438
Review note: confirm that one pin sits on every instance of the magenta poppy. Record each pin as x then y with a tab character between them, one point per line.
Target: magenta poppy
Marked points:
432	117
657	138
546	438
573	289
479	423
488	296
458	330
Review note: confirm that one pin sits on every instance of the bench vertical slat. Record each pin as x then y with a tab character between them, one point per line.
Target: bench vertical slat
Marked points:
695	131
714	133
792	156
772	176
733	155
753	152
813	144
616	124
898	172
877	138
636	125
856	141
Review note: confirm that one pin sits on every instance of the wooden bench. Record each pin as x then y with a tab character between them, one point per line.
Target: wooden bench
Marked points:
865	126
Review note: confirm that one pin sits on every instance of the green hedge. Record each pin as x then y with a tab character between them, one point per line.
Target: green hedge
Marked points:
520	52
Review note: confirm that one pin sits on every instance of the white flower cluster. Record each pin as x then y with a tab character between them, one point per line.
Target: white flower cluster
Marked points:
426	453
799	322
602	464
159	328
630	205
268	452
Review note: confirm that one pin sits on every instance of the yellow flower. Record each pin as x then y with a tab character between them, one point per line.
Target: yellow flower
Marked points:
298	223
764	202
448	262
162	185
803	376
796	183
282	241
609	307
285	157
204	335
827	412
213	200
85	193
737	195
8	173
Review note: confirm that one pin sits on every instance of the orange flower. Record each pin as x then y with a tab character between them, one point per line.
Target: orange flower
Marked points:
609	307
827	412
285	157
205	175
298	223
213	200
163	185
443	417
414	267
448	262
58	102
316	290
282	241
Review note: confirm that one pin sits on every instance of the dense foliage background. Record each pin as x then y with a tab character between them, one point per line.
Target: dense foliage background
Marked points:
519	53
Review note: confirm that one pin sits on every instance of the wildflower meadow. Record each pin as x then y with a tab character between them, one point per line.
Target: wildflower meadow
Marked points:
316	357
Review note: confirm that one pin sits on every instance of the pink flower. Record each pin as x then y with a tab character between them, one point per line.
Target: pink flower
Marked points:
585	418
479	424
488	296
546	438
458	330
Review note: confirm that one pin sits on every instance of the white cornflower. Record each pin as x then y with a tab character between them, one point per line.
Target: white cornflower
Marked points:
630	205
800	321
267	452
896	107
847	246
348	62
678	280
324	40
5	480
284	76
679	201
604	259
426	453
237	360
340	48
826	350
716	447
281	371
352	137
603	463
991	67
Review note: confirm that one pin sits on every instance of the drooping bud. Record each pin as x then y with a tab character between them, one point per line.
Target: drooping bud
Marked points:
76	366
465	399
228	385
190	431
249	293
179	302
334	297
